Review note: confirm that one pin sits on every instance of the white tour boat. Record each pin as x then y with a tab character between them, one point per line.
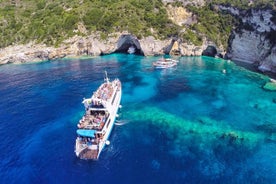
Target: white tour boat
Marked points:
95	126
165	63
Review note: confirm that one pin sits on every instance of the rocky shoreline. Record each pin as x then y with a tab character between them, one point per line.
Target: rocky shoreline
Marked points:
253	42
95	46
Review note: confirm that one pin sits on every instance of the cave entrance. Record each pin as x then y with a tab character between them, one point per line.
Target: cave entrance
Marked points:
129	44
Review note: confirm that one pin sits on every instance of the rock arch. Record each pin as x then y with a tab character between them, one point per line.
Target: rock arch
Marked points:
210	51
127	41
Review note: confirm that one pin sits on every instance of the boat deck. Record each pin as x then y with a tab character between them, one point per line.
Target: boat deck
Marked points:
89	154
104	92
95	122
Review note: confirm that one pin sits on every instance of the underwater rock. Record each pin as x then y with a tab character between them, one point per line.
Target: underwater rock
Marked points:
211	167
179	85
155	165
210	129
232	138
267	127
270	130
271	138
271	86
218	104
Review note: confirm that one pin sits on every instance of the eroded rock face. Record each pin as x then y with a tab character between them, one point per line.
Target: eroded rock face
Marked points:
95	46
253	48
151	46
254	41
175	50
187	49
269	63
180	16
250	47
24	53
188	2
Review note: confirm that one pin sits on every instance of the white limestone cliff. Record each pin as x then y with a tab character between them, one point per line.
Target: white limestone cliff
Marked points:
254	41
91	46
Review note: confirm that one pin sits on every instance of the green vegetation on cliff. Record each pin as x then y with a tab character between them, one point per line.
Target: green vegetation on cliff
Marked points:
51	22
215	25
246	4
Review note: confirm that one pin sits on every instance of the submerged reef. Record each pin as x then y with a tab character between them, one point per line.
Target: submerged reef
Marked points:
186	135
270	86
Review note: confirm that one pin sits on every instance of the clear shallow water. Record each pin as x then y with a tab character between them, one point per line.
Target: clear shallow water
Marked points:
188	124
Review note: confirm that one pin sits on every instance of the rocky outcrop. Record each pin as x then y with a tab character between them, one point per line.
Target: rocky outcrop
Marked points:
180	15
188	49
152	46
75	46
24	53
188	2
270	85
254	41
175	51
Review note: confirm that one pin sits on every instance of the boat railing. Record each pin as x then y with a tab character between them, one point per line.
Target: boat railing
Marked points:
95	121
79	146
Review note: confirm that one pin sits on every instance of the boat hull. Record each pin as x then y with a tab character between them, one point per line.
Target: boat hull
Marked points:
112	122
162	67
165	63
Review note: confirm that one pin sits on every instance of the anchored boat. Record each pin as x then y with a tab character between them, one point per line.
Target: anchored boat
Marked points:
164	63
95	126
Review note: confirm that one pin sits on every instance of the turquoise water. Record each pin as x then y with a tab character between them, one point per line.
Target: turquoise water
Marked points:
192	123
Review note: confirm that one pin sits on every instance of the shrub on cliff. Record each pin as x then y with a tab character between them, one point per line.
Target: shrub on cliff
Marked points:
192	37
246	4
216	26
51	22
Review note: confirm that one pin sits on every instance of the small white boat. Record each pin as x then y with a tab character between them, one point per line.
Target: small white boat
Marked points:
100	113
165	63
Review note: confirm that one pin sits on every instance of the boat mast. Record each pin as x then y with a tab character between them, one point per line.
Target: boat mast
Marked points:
106	78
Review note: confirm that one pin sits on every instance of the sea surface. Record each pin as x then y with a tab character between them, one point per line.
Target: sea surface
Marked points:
204	121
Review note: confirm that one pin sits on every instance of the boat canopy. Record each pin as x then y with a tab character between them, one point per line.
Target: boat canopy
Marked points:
86	133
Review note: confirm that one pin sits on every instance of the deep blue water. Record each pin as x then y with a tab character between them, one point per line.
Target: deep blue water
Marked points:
188	124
